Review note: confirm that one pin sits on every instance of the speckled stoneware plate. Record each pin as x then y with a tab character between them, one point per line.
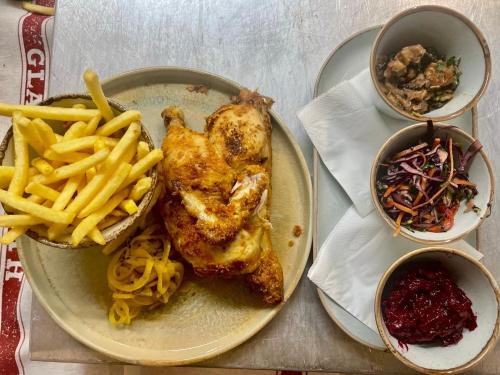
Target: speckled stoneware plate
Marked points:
205	317
330	200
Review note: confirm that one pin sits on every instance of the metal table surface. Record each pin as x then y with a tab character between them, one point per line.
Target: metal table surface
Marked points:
277	46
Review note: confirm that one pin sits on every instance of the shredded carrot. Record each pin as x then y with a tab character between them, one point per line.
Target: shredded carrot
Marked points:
419	196
398	224
391	189
445	185
437	141
424	185
435	229
405	209
459	181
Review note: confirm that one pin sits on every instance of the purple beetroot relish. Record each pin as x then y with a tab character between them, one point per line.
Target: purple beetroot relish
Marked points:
425	306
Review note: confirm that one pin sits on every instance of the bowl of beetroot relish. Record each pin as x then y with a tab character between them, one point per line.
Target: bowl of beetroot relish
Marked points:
437	310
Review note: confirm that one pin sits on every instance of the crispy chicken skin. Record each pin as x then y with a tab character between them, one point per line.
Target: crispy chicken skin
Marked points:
218	192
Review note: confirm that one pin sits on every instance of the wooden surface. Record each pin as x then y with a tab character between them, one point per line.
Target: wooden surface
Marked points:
278	47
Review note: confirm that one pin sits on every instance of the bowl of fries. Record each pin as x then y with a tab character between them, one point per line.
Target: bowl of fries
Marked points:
76	170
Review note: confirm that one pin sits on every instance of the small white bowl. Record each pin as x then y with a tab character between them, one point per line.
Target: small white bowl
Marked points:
451	34
480	173
479	286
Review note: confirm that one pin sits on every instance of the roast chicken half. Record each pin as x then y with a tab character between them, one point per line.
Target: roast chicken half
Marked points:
218	193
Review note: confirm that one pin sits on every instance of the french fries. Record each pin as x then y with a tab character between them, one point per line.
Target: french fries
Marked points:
67	193
42	166
96	236
13	234
129	206
46	133
21	162
83	143
68	157
76	130
6	174
118	122
142	150
126	142
24	205
29	132
82	181
92	125
73	169
49	113
95	90
91	221
43	191
18	220
109	189
142	166
140	188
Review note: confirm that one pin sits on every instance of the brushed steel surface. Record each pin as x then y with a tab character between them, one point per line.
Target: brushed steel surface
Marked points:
277	46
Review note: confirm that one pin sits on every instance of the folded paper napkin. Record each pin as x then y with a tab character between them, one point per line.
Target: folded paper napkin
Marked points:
348	131
353	258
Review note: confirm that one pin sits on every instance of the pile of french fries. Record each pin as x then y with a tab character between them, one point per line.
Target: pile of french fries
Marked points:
82	181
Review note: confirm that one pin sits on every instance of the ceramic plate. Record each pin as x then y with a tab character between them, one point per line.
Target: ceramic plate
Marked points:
331	202
205	317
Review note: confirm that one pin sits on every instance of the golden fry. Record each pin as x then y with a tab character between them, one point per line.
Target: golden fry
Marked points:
6	174
143	165
129	206
18	220
68	157
107	191
45	131
88	192
92	125
48	112
96	236
13	234
67	193
43	191
95	90
118	213
25	205
35	199
91	221
108	221
142	149
120	121
21	162
76	130
79	105
73	169
30	132
140	188
82	144
125	143
40	9
42	166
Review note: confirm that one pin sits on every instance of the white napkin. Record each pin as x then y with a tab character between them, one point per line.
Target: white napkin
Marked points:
354	257
348	131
